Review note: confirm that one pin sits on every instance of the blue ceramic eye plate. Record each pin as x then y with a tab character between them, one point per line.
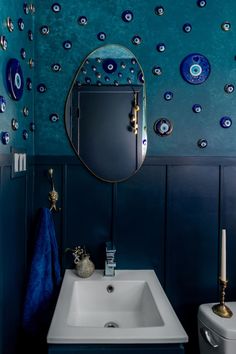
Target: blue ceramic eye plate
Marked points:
109	66
127	16
3	104
226	122
195	68
15	81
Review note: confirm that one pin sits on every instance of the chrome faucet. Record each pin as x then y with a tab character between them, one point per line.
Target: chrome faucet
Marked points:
110	263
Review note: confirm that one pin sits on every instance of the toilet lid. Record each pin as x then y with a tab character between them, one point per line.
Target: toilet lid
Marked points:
225	327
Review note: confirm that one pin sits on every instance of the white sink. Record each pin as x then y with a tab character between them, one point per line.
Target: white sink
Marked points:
130	307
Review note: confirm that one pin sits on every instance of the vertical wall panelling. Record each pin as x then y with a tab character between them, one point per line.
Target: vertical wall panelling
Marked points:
192	239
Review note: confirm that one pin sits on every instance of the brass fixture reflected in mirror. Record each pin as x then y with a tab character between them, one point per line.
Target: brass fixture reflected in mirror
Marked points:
105	113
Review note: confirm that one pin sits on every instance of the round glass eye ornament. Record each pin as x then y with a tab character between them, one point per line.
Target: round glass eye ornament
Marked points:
201	3
67	45
127	16
29	84
41	88
225	122
3	104
161	47
109	66
163	127
23	53
197	108
32	127
229	88
5	138
101	36
157	70
202	143
226	26
30	35
15	81
56	67
44	30
54	117
25	134
168	95
141	77
82	20
3	42
159	10
14	124
187	27
26	8
136	40
21	24
56	7
195	68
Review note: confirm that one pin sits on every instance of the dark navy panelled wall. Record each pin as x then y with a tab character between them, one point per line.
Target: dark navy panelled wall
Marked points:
166	217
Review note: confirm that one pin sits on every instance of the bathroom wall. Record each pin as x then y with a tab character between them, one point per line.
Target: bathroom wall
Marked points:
15	191
169	215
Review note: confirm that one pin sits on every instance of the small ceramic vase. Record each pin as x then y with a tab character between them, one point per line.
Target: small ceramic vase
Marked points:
84	268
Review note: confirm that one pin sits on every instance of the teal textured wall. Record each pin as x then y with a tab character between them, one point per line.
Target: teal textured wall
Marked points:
206	37
14	109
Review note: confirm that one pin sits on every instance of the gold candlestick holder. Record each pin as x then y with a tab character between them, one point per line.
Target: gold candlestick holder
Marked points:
221	309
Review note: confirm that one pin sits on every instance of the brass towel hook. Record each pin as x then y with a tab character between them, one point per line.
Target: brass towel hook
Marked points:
53	195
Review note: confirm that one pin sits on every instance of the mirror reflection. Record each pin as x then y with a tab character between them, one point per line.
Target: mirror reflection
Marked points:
105	113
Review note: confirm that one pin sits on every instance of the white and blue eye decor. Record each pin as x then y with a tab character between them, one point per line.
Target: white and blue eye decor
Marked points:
14	79
5	137
195	68
127	16
226	122
82	20
202	143
54	117
56	7
163	127
3	104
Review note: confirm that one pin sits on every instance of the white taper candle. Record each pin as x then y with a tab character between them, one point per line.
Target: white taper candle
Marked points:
223	256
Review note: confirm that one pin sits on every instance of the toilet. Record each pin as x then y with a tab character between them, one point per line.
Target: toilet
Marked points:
216	334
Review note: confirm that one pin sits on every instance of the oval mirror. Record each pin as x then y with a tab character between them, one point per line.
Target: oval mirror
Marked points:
105	113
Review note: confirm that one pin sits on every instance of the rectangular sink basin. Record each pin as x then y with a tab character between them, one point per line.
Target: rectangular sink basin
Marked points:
130	307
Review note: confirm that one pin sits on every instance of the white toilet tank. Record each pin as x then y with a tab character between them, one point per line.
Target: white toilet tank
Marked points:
216	334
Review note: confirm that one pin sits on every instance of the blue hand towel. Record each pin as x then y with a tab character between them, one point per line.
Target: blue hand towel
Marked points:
44	278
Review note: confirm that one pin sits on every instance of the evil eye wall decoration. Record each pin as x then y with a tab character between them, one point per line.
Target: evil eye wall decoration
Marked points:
3	42
82	20
127	16
163	127
30	35
109	66
44	30
41	88
226	122
25	111
56	67
136	40
202	143
159	10
88	80
14	78
31	63
3	104
123	65
133	61
226	26
10	24
229	88
54	117
161	47
195	68
23	53
32	127
29	84
141	77
26	8
14	124
56	7
187	27
157	70
197	108
116	83
168	95
25	134
98	75
67	45
201	3
21	24
5	137
101	36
